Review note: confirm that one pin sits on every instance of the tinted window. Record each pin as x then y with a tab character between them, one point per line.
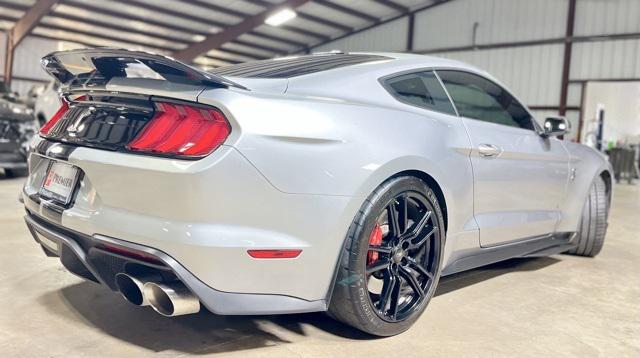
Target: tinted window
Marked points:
478	98
420	89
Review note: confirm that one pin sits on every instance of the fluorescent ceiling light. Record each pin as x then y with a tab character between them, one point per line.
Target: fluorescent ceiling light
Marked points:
280	17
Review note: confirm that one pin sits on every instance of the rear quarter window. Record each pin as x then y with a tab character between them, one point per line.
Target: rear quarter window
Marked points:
420	89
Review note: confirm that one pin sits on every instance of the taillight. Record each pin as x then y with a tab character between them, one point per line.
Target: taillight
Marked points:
182	130
56	117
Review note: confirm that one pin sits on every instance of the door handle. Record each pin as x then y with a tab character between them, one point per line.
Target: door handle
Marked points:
489	150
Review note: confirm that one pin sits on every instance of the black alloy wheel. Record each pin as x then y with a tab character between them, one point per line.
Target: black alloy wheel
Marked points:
403	256
390	264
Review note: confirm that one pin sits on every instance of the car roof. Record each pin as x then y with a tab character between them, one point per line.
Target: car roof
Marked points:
320	64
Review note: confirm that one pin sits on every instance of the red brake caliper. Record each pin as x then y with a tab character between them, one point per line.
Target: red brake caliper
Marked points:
375	239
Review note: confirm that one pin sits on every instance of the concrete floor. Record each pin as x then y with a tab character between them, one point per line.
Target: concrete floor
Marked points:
555	306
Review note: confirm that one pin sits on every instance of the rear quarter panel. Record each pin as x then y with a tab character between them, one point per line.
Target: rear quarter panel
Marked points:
328	146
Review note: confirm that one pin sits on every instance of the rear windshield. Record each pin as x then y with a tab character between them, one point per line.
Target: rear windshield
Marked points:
295	66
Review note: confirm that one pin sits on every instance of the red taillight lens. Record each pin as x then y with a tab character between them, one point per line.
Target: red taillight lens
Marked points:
56	117
182	130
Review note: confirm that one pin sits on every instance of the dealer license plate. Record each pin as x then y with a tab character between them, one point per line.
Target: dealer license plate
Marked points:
60	182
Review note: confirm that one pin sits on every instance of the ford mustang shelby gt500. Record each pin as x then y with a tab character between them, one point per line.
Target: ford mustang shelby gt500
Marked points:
347	183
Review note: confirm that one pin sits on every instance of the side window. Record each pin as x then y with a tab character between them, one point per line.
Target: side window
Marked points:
420	89
478	98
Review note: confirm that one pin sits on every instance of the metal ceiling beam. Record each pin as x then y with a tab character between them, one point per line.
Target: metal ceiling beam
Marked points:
164	25
95	21
392	5
296	29
242	15
226	61
232	32
90	43
98	22
276	38
347	10
216	8
382	22
21	29
127	16
198	19
305	16
325	22
242	53
177	46
168	11
93	44
112	38
259	46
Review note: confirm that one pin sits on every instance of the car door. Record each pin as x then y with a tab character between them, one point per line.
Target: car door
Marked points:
519	177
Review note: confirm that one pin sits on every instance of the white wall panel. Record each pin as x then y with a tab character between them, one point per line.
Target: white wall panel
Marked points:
388	37
574	96
26	61
451	24
606	59
533	73
27	57
597	17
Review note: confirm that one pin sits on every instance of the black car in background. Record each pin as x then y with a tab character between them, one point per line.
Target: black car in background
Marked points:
17	126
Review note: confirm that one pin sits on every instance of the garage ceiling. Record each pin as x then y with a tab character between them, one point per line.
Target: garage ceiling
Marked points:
235	27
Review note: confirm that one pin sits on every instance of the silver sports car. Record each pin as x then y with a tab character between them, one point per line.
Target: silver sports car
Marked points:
339	182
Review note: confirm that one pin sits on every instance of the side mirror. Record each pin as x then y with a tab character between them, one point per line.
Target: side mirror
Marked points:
555	126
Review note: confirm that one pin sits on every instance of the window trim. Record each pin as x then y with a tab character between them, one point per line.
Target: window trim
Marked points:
383	82
536	127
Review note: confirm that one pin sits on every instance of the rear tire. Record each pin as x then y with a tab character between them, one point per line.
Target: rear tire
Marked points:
593	225
413	258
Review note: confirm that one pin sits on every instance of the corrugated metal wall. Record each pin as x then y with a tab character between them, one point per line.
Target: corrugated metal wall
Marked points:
533	72
388	37
451	24
31	47
606	59
597	17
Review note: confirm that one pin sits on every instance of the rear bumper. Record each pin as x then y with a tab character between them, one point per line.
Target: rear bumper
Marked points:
84	256
205	215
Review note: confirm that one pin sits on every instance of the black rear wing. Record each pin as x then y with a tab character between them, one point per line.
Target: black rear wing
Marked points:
95	67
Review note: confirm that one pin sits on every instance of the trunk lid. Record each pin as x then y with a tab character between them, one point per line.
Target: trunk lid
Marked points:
112	95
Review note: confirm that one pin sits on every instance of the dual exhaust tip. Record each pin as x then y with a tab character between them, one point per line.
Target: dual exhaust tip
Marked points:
170	299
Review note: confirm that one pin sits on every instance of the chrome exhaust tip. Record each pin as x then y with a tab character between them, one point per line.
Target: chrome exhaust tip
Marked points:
171	299
131	287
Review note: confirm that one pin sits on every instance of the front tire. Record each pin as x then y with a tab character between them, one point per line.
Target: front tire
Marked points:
390	266
593	225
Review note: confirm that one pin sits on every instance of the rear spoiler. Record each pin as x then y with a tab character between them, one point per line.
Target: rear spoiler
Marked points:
94	67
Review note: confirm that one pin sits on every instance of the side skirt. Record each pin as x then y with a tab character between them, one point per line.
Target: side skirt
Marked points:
546	245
